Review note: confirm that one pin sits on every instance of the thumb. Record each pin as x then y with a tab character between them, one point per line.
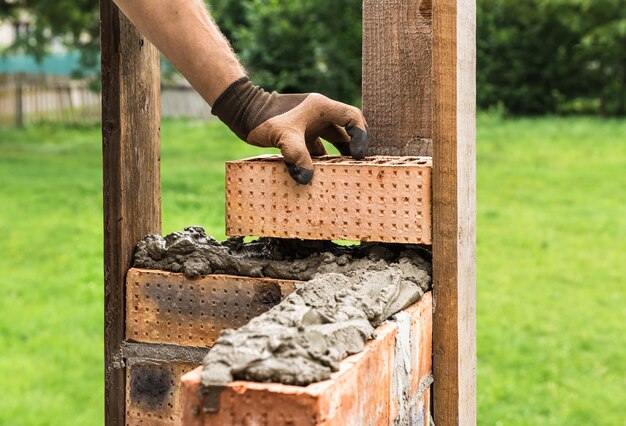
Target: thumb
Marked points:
296	156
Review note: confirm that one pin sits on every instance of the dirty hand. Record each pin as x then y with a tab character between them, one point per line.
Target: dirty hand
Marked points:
294	123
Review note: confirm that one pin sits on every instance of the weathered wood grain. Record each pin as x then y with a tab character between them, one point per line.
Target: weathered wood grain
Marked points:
132	197
397	62
454	209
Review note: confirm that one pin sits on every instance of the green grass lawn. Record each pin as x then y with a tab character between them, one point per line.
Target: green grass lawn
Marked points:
551	269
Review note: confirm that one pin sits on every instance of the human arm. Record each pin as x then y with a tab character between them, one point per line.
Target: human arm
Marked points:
294	123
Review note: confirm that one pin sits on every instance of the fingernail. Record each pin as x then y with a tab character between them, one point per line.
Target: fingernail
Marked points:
299	174
359	142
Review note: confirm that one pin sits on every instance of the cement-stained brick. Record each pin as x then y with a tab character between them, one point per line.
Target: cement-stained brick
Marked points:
153	392
360	393
167	307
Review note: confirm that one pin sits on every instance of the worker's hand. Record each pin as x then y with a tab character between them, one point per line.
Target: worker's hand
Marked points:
294	123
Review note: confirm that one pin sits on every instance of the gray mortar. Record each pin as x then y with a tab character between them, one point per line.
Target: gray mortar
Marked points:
194	253
350	291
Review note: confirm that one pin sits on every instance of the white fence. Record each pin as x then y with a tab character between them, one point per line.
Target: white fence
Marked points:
29	99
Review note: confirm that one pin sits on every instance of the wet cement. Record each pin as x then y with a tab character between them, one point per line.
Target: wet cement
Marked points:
348	292
194	253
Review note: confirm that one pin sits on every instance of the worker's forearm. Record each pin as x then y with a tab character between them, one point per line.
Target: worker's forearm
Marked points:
184	32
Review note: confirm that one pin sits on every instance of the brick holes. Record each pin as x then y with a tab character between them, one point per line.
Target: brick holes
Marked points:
342	186
192	312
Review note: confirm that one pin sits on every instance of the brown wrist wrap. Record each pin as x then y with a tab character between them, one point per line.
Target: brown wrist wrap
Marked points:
244	106
239	105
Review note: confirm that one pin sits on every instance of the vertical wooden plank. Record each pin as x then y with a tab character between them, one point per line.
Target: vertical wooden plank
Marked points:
454	207
19	101
132	195
397	60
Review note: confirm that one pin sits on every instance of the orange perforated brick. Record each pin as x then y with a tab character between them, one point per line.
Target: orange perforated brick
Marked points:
374	387
167	307
385	199
153	392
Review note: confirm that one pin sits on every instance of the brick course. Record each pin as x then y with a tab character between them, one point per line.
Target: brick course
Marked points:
386	199
389	381
167	307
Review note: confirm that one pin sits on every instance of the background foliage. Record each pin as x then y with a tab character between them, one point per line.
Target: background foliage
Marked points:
534	56
300	45
552	56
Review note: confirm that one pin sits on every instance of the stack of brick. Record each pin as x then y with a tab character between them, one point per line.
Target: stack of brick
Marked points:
171	320
388	383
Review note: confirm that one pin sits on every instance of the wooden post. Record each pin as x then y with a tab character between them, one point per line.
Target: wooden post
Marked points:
454	211
418	84
397	83
132	194
19	101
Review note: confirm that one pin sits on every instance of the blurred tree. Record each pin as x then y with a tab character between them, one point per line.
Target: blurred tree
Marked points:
229	15
301	45
72	23
297	45
534	56
547	56
524	55
602	49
